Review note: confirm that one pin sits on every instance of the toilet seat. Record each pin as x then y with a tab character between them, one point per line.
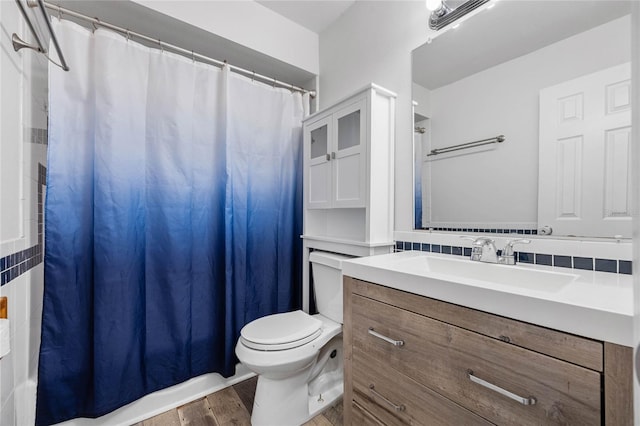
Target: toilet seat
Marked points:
281	331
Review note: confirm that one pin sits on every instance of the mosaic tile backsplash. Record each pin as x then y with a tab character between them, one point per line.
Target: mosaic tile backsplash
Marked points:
486	230
575	262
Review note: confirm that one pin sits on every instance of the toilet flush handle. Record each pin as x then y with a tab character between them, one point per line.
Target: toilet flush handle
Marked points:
385	338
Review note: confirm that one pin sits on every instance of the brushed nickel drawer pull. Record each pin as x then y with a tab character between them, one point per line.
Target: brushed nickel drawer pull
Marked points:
396	407
524	401
385	338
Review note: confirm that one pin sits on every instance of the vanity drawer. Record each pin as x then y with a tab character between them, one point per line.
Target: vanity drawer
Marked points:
444	358
396	399
362	417
575	349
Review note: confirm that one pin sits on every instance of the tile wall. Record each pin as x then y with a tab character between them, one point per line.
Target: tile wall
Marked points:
620	266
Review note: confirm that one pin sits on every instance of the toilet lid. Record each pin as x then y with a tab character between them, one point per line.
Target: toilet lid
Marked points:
281	331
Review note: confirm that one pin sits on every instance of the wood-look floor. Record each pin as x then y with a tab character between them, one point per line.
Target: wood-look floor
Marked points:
230	406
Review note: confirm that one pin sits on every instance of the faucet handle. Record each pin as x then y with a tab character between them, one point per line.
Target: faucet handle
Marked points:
478	241
481	241
466	237
508	248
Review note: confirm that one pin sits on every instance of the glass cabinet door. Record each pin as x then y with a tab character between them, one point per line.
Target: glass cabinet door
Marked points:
318	143
349	130
348	156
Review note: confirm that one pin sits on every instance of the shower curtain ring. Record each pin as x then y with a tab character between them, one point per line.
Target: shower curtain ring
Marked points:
59	12
161	46
193	57
95	23
253	76
128	35
274	83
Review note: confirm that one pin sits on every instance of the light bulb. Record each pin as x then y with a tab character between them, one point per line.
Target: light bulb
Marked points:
434	4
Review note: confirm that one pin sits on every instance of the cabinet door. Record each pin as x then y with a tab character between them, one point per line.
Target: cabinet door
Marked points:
348	155
317	137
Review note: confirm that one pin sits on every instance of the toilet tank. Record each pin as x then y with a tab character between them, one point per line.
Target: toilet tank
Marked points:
327	282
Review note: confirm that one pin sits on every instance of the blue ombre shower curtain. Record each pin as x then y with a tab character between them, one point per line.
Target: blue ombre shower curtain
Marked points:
172	218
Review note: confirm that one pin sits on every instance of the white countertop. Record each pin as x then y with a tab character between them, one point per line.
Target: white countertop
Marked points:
598	305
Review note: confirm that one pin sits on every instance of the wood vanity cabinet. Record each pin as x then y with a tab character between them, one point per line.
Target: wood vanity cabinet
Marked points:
414	360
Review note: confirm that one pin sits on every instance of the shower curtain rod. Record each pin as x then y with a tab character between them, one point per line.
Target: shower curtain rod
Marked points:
176	49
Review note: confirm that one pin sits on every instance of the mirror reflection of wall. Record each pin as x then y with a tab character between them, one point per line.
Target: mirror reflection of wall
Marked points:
484	79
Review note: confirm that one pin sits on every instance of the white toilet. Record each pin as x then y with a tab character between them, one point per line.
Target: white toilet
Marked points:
297	356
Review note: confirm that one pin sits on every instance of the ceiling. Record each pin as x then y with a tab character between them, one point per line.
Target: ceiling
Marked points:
315	15
509	30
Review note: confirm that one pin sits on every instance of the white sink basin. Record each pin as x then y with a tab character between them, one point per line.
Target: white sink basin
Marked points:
490	273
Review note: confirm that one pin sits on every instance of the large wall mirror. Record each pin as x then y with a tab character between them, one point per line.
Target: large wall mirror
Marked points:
546	87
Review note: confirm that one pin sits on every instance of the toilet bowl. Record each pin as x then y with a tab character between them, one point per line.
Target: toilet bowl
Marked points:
298	357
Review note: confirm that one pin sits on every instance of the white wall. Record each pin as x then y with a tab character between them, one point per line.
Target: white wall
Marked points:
22	107
498	184
372	42
250	24
422	97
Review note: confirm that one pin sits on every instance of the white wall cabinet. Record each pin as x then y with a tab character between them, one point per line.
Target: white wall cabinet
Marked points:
336	153
348	169
349	177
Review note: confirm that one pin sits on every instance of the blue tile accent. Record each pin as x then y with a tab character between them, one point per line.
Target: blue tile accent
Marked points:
585	263
544	259
525	257
31	257
624	267
562	261
606	265
484	230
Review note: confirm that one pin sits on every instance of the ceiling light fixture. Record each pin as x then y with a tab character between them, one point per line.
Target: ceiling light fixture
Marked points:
443	15
433	4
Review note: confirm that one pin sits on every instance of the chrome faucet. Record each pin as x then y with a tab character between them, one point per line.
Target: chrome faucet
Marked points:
483	249
508	255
